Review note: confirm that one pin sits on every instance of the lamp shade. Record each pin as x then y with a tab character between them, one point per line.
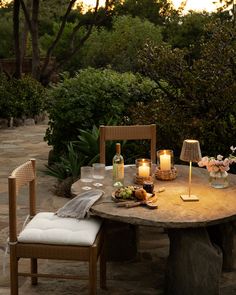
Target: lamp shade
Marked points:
191	151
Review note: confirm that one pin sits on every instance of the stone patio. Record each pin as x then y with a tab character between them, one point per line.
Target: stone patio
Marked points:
143	276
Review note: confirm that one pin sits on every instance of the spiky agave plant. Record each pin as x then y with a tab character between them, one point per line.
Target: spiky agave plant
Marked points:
88	144
66	170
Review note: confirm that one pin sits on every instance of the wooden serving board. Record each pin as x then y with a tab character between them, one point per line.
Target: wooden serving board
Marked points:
151	202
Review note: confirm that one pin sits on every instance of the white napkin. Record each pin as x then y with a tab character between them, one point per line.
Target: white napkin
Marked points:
79	206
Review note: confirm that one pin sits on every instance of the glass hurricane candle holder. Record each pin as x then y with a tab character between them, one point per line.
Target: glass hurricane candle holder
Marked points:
165	165
143	170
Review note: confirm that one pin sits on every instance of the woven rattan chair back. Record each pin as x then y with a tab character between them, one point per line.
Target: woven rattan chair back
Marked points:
132	132
25	174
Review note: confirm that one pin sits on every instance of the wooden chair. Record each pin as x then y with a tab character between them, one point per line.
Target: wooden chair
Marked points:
48	236
132	132
122	239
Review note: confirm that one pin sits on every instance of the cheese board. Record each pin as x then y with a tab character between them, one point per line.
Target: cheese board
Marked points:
131	196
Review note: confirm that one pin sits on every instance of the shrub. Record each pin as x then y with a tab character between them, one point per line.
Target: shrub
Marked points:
21	98
28	96
6	104
92	97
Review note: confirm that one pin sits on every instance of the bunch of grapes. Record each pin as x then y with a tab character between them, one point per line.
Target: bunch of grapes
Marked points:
126	192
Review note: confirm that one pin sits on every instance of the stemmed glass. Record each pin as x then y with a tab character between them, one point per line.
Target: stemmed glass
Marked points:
86	176
98	173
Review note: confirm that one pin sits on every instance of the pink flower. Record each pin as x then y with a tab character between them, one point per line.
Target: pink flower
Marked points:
218	164
233	148
212	163
210	169
226	162
203	162
224	168
219	157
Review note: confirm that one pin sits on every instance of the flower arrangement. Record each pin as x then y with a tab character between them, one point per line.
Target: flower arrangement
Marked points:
218	164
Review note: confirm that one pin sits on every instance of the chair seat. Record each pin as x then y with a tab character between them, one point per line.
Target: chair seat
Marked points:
48	228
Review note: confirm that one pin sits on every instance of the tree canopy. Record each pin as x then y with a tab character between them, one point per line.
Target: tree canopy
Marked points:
200	91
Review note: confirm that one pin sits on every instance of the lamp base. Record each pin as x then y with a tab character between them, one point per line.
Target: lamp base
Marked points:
188	198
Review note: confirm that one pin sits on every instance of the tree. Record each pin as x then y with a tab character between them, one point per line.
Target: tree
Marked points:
44	72
119	46
153	10
16	30
6	33
232	4
186	31
201	93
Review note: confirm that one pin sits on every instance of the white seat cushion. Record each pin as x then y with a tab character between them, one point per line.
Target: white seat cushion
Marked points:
48	228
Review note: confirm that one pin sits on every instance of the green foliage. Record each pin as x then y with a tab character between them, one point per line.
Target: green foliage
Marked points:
6	104
198	98
155	11
61	49
186	31
66	170
68	165
119	47
6	35
88	144
91	98
6	30
29	97
51	12
21	98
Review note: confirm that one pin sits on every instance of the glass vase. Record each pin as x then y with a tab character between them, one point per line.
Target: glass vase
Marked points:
219	179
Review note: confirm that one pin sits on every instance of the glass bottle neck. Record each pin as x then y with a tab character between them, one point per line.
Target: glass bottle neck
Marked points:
118	148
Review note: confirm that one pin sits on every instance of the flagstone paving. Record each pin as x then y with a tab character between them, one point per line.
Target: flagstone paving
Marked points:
143	276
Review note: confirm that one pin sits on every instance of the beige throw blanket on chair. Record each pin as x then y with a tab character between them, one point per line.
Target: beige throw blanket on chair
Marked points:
79	206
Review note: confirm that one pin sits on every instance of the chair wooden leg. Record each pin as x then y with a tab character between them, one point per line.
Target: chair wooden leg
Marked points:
34	270
103	267
93	271
13	272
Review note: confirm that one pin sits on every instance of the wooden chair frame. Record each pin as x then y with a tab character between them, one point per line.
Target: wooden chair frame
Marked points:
25	174
132	132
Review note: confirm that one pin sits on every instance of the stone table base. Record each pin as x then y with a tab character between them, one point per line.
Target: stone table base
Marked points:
194	263
121	241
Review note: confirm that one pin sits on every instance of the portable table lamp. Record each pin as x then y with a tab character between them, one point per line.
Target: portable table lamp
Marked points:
190	153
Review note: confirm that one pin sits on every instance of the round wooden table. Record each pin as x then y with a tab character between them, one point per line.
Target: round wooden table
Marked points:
194	228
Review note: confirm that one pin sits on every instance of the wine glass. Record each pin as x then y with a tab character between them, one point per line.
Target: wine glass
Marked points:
86	176
98	173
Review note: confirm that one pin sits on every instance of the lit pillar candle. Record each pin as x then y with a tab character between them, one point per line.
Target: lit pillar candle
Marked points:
144	170
165	163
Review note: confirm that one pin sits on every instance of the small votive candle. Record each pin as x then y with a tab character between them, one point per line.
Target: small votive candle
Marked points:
165	160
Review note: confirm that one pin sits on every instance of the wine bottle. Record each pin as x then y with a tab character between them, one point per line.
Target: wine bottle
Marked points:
118	168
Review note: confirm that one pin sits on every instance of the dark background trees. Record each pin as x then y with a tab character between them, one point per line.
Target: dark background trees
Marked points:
31	12
199	91
54	32
189	58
